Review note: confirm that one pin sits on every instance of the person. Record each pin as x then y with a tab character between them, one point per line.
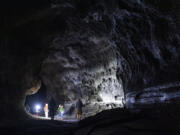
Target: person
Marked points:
78	107
52	108
61	110
46	110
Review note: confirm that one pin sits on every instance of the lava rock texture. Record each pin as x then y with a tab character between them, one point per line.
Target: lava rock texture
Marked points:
105	52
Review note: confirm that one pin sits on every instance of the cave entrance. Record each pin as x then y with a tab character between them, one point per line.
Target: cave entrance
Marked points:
35	103
42	104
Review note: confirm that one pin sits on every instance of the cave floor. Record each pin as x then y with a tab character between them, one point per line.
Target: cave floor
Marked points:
160	120
66	119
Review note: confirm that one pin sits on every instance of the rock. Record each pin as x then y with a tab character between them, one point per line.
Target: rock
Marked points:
35	87
105	52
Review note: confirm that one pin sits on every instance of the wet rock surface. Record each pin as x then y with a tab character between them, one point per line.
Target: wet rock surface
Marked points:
105	52
166	93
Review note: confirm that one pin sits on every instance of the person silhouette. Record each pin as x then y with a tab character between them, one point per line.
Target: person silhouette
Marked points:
78	106
46	110
52	108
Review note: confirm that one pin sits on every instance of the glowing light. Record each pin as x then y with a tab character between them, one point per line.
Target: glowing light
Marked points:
37	107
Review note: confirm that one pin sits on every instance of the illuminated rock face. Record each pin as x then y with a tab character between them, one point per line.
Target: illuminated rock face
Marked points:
96	50
35	86
110	49
86	70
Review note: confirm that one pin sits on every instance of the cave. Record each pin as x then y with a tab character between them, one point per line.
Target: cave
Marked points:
40	98
121	58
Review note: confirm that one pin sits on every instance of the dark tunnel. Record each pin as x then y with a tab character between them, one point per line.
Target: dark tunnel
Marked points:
94	67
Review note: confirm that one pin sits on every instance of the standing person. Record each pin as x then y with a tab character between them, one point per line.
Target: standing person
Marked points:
46	110
61	110
78	107
52	108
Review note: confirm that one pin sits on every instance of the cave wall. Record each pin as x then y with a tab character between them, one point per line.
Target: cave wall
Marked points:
89	49
140	37
83	69
21	53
